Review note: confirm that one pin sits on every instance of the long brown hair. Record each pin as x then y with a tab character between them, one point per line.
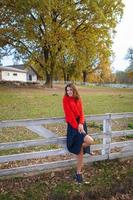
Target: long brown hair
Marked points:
75	91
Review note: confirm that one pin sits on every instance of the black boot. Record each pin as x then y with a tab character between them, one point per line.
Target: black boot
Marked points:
86	150
79	178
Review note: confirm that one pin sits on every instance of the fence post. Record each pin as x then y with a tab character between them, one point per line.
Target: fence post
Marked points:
106	135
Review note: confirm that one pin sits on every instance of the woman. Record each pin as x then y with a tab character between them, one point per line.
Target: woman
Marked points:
78	142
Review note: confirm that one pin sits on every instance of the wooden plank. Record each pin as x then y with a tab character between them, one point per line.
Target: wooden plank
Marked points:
31	122
96	147
89	158
28	143
42	154
121	133
127	148
32	155
122	144
121	115
34	122
120	154
98	117
49	166
40	121
38	167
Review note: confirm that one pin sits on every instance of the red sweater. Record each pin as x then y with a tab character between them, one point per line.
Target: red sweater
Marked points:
73	109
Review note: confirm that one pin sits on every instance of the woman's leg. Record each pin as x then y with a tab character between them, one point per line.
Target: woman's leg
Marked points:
88	140
80	161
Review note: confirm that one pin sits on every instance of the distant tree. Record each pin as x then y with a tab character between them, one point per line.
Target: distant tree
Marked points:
129	72
129	69
129	56
121	77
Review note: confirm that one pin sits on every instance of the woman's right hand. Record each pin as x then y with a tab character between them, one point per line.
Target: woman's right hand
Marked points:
81	128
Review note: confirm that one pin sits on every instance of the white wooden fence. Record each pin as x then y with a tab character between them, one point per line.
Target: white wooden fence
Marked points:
105	148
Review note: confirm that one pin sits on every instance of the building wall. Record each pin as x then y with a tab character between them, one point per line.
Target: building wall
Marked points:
31	76
0	75
13	76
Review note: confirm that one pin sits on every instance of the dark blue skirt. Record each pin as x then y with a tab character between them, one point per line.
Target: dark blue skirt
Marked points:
75	140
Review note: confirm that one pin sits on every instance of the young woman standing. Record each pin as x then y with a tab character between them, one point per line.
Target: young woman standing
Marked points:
78	142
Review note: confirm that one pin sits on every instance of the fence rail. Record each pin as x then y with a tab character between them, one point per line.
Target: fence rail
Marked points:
106	149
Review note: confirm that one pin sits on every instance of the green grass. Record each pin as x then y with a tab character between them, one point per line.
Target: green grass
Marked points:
14	134
104	179
20	103
17	105
106	103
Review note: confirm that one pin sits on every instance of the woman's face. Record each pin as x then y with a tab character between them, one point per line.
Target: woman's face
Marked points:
69	91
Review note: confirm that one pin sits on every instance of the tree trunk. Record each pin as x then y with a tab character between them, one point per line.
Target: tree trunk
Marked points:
84	77
64	75
68	77
49	80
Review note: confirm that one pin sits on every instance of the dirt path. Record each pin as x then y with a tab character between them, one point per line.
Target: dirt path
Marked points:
96	90
58	88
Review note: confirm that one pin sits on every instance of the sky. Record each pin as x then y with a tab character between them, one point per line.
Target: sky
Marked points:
121	42
123	38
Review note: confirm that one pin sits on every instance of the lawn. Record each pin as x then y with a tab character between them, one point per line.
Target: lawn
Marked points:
24	103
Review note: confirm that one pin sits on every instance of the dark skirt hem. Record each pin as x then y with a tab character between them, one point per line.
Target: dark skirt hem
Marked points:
75	140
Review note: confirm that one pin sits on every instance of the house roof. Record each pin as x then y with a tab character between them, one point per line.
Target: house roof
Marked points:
21	66
11	69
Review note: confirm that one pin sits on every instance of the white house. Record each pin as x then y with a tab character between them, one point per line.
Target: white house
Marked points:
12	74
23	74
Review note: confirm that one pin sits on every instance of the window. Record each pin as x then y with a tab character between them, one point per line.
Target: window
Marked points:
14	74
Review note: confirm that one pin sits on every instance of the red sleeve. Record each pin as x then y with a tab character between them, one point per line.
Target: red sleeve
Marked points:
81	121
69	114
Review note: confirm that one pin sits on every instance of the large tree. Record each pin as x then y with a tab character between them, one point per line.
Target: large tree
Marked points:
45	31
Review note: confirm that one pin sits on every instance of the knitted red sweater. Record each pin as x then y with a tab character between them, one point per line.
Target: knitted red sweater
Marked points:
73	109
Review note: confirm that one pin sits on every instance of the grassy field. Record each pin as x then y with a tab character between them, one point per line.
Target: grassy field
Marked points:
24	103
20	103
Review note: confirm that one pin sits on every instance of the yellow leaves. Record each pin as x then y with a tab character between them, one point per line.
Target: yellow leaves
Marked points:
79	30
130	74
